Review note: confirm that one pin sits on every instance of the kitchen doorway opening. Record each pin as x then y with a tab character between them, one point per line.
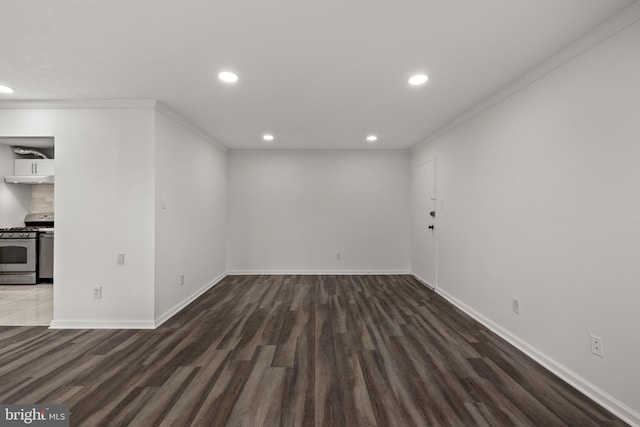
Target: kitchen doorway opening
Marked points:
27	212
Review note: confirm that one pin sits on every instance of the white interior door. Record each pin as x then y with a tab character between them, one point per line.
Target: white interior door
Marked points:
423	230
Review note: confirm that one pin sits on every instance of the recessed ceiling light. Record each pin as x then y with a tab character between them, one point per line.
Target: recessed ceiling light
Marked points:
6	89
228	77
268	137
372	138
418	79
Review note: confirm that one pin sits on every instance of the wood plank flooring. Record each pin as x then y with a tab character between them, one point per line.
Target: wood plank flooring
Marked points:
294	351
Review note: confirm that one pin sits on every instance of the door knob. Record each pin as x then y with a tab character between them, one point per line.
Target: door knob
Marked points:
433	214
431	227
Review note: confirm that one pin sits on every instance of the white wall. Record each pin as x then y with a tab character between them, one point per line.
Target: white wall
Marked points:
104	205
191	177
15	199
542	202
293	211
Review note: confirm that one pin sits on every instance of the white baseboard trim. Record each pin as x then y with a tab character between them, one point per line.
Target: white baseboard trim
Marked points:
134	324
315	272
424	282
176	308
101	324
594	393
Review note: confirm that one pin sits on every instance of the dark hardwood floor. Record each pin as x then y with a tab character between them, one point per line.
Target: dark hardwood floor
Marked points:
294	351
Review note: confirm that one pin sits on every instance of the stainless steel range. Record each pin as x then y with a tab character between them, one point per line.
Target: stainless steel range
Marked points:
18	257
22	257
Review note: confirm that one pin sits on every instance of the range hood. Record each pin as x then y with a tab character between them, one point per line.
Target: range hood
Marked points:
30	179
31	171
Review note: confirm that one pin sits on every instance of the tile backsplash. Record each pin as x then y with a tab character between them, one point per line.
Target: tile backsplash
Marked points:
42	198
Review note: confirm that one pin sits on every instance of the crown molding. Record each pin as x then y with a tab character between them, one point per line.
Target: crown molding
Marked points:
318	151
613	26
119	104
172	114
79	103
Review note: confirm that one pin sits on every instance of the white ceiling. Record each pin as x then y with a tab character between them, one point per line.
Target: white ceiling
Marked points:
318	75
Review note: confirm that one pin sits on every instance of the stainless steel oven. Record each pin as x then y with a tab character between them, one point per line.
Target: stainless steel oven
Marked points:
18	257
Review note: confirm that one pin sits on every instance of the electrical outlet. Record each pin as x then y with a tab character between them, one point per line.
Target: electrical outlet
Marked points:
182	280
515	305
97	292
596	346
338	256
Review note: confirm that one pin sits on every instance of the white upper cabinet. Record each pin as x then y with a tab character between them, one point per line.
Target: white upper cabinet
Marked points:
27	167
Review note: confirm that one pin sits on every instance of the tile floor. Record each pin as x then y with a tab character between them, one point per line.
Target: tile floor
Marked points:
26	305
